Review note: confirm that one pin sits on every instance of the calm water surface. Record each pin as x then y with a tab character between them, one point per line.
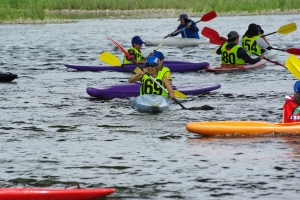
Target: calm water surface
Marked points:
53	134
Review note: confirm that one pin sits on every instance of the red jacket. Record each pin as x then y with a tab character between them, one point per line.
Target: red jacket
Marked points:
291	111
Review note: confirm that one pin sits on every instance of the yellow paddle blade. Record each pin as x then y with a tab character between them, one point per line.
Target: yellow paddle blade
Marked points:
179	94
293	65
110	59
287	28
136	70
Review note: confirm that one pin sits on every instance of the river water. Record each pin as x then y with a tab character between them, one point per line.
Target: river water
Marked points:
53	134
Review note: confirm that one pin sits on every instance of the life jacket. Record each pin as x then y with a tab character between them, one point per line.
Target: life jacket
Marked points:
150	87
229	56
166	72
135	54
291	111
250	44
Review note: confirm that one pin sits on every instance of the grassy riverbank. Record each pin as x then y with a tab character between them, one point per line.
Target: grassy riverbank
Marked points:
36	9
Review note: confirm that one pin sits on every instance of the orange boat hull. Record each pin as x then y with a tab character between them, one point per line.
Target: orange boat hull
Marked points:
242	128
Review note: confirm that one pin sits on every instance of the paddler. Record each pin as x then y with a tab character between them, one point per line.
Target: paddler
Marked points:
253	42
291	108
135	51
232	53
164	69
148	86
261	32
191	30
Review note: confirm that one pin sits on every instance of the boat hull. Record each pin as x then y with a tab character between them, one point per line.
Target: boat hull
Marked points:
133	89
150	103
243	128
7	77
51	193
177	41
229	68
173	65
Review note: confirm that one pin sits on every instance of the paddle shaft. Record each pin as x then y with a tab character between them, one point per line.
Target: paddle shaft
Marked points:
182	106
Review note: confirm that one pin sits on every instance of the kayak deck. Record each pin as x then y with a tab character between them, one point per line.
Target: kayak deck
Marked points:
228	67
51	193
243	128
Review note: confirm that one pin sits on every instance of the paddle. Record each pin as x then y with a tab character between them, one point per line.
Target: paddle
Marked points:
215	38
205	18
293	65
113	60
285	29
128	57
137	68
294	51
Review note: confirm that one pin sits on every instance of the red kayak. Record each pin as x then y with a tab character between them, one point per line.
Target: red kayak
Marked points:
53	194
230	68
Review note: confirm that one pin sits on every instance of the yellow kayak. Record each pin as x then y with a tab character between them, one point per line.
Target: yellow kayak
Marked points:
243	128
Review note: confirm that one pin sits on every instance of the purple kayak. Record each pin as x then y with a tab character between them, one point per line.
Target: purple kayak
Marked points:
175	66
127	90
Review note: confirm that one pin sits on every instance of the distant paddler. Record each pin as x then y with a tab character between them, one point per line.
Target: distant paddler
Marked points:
135	51
253	42
148	85
232	53
188	28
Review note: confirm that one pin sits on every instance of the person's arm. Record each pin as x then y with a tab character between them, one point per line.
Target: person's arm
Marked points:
241	53
193	27
169	87
219	52
137	77
262	43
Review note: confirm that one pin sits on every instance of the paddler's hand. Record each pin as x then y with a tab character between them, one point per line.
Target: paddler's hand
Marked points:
261	56
170	35
151	54
142	72
172	94
189	25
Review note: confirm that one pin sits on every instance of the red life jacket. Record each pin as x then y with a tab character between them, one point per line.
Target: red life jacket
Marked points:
291	111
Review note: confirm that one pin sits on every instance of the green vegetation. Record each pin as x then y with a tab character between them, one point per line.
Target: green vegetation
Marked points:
35	9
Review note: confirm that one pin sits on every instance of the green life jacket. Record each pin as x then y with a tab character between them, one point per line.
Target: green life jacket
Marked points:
230	56
150	87
166	72
251	45
137	55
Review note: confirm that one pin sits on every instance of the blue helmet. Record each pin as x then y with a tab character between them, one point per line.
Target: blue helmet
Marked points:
297	87
159	54
152	60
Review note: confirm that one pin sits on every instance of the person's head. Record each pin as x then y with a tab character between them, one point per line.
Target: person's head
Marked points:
260	31
252	30
160	56
152	63
184	19
137	42
233	36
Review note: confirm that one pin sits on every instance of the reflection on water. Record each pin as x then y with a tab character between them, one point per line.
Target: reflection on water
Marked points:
53	134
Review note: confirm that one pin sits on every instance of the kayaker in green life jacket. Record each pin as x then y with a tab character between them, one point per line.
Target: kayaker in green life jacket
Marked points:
253	42
135	51
148	85
232	53
164	69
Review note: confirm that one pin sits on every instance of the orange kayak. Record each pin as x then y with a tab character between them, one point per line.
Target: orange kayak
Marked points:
243	128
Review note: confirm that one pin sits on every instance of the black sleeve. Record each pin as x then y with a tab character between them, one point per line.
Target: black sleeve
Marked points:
219	52
241	53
